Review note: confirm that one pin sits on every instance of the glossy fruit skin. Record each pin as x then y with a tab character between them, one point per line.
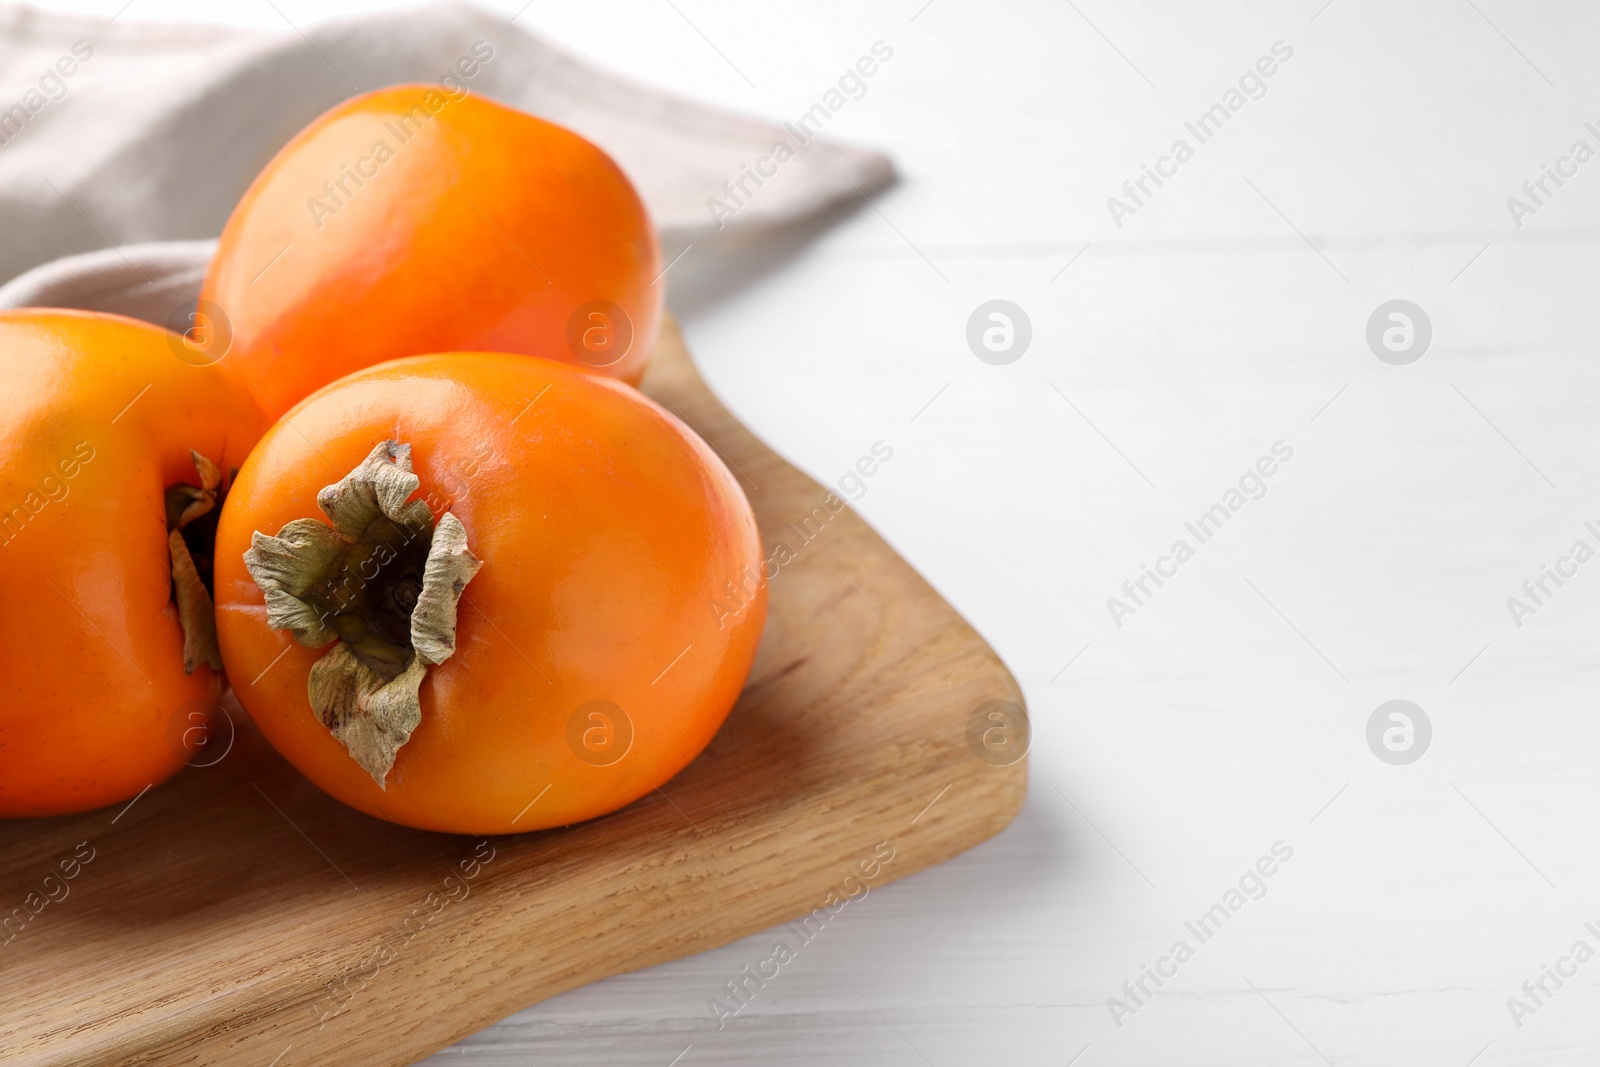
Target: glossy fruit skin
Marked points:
482	228
608	533
97	418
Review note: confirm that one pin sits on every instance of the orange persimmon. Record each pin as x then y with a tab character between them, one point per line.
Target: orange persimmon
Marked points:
486	593
421	219
115	441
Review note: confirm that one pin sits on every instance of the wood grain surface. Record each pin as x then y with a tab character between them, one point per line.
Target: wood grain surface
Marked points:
237	915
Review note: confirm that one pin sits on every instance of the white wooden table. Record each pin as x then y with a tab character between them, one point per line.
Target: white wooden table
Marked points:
1229	712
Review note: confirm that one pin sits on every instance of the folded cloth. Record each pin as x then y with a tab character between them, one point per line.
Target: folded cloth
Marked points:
134	141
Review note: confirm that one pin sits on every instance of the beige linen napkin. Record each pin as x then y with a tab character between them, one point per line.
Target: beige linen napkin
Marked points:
132	142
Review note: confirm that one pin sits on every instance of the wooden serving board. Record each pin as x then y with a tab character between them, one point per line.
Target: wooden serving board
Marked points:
237	915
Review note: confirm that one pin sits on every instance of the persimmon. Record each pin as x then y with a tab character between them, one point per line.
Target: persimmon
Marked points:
486	592
115	447
422	219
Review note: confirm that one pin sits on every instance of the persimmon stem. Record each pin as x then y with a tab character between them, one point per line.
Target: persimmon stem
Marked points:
380	581
191	520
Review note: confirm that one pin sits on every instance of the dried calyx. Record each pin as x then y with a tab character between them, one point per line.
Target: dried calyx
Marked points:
381	583
192	512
